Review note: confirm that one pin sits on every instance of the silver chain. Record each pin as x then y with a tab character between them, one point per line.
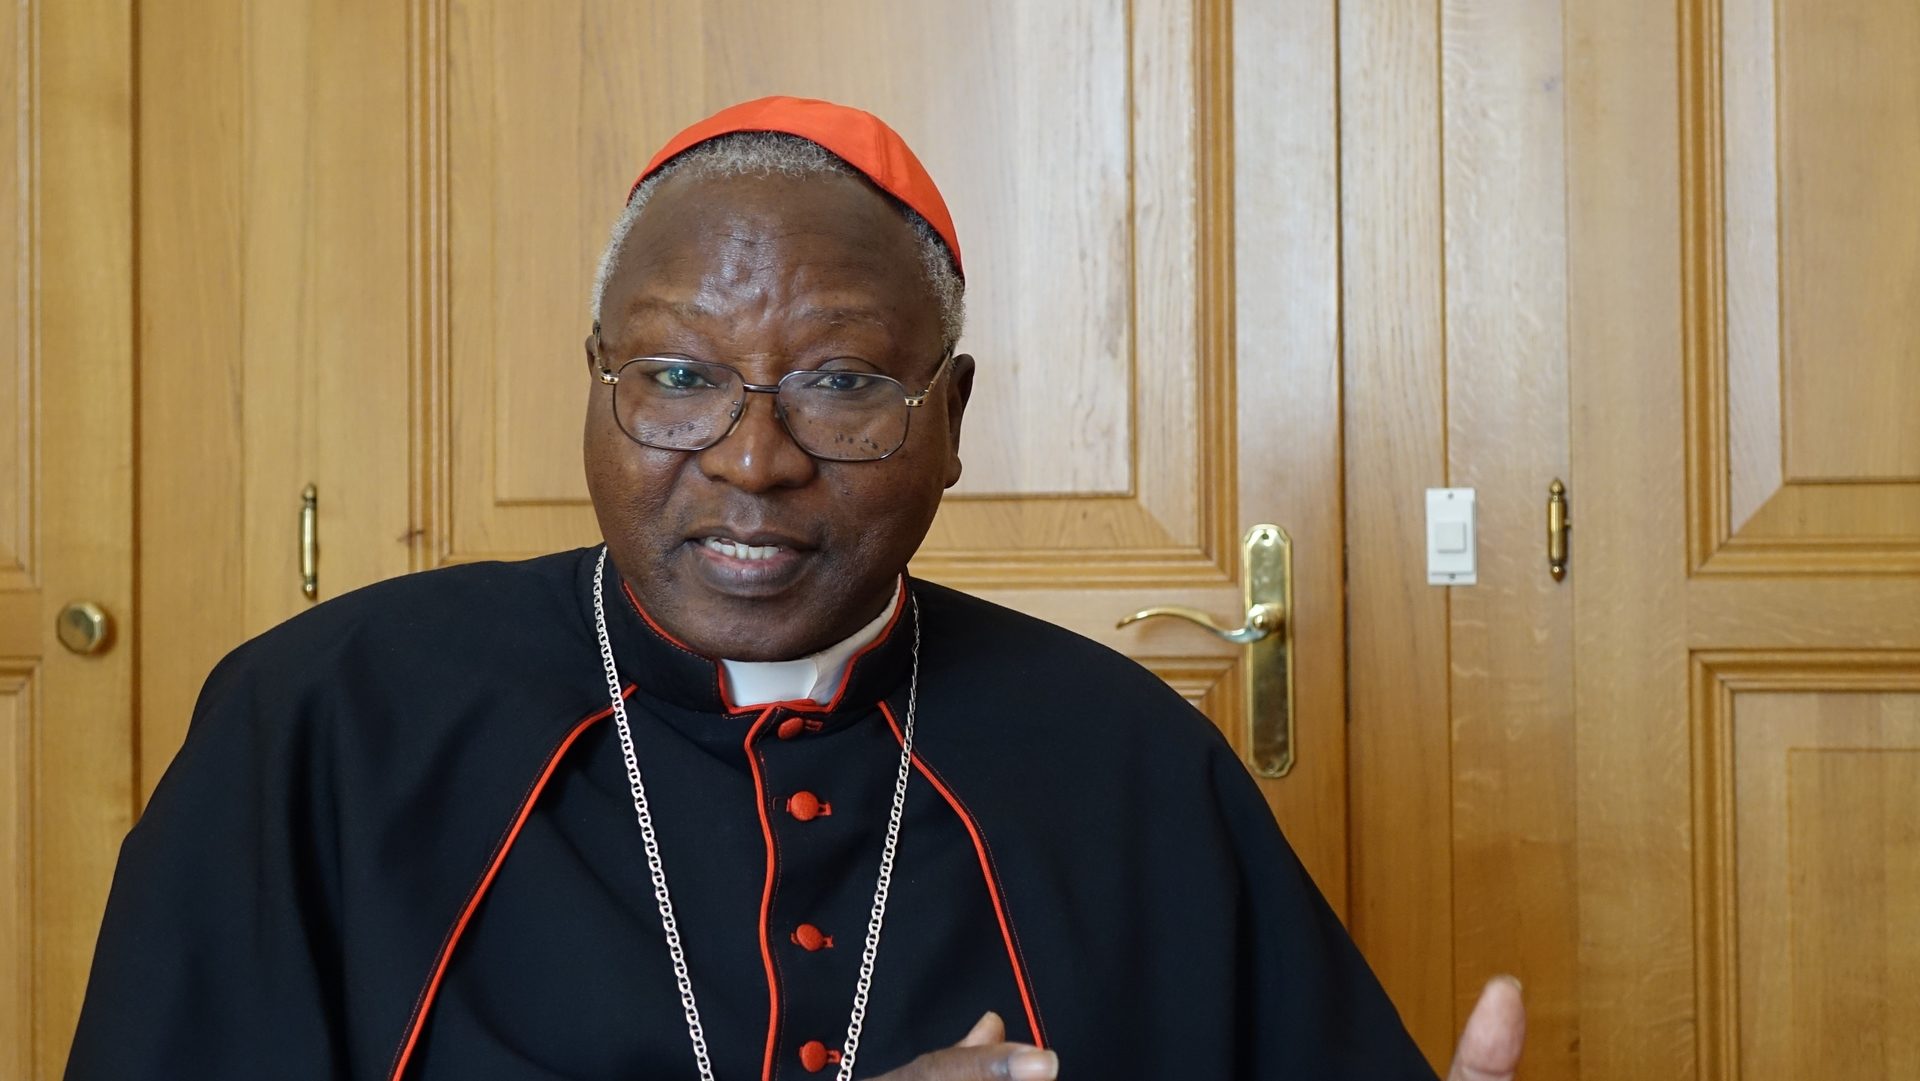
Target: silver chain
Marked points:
658	870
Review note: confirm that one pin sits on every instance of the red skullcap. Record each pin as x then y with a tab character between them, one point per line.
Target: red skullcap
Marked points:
858	138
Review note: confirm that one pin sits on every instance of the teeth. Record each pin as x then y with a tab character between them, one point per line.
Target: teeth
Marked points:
735	550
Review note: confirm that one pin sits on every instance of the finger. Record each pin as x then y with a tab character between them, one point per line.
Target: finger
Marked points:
1490	1047
988	1030
998	1062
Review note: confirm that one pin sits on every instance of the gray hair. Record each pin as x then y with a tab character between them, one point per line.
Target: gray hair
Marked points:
766	153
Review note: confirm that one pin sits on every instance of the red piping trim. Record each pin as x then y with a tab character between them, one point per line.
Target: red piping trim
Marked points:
424	1006
766	894
986	872
846	674
798	705
657	628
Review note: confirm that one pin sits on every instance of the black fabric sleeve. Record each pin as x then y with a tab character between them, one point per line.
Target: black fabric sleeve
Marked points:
1311	1006
218	957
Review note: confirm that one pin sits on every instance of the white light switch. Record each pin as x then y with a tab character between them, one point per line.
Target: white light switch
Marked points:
1450	537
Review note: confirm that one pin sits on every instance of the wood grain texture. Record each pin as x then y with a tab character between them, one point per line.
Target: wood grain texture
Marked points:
81	741
323	312
1849	143
1394	386
276	323
17	713
1797	620
1793	354
17	435
1511	635
1285	445
1806	764
1632	745
192	403
1854	860
1749	212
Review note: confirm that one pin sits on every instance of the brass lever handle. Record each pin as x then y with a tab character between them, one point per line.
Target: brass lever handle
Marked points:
310	542
1267	632
1262	620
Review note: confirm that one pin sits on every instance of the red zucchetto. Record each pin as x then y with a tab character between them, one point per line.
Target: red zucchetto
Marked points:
857	137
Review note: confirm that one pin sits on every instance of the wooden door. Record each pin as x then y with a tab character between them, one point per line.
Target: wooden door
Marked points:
1454	249
369	231
66	504
1743	286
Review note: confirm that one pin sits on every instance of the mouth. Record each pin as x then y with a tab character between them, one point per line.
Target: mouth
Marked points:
749	563
742	550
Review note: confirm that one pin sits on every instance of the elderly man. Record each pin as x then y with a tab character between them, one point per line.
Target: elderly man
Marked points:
731	795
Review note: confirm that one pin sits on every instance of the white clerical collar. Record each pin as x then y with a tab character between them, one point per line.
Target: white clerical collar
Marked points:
756	683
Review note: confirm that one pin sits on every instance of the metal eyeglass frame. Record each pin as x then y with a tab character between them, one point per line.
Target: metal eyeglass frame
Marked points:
913	401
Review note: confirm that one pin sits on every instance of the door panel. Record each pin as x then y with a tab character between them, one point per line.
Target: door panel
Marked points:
276	323
1749	612
1804	355
1808	767
66	503
1453	120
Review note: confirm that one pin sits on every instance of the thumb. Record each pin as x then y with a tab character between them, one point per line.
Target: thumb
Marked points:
1490	1047
988	1030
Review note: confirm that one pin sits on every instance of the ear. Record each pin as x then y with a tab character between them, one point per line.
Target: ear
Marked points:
959	391
592	345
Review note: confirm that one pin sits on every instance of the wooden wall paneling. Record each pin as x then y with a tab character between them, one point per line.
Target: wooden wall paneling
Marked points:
192	506
1395	447
275	323
1808	765
1286	443
16	277
1806	613
1708	941
1510	651
1849	145
1632	782
20	604
1748	188
1803	368
323	206
79	307
17	713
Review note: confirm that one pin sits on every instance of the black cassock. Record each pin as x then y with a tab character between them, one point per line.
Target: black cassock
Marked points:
399	841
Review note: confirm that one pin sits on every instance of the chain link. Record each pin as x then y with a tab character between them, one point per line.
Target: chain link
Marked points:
658	870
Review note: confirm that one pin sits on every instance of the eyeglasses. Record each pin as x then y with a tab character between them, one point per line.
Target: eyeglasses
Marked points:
837	415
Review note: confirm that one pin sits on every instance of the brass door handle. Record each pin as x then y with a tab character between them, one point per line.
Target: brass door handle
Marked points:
310	542
1558	524
1262	620
1267	632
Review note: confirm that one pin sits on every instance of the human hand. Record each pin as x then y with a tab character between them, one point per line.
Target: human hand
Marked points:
983	1055
1489	1048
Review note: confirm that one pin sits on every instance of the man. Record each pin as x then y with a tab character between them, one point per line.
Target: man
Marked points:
647	810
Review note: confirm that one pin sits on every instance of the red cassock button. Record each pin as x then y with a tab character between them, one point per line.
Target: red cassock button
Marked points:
811	938
795	727
815	1055
806	806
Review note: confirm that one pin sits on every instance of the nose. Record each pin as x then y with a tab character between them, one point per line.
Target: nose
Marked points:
759	455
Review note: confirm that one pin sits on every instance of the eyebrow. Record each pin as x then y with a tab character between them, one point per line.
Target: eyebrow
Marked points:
830	314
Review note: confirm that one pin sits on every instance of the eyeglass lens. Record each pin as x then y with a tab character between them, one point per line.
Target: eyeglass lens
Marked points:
674	404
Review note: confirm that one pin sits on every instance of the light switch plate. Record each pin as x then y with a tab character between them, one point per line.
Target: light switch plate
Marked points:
1451	541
